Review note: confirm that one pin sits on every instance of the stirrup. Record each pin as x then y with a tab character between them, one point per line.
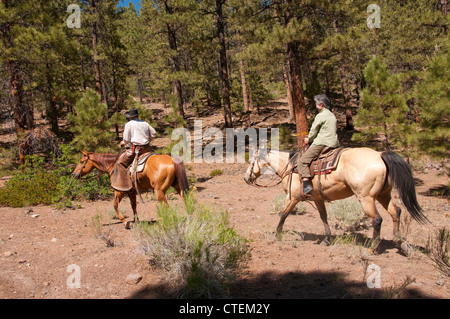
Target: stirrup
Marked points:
303	196
307	188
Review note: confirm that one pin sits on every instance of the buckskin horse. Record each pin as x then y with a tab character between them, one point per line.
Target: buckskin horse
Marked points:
159	173
363	172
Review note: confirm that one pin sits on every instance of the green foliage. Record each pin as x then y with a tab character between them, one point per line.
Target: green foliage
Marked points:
432	95
216	172
197	249
383	108
90	123
285	137
68	188
33	185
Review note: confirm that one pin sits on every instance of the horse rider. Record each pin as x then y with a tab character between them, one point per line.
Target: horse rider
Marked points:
138	133
323	133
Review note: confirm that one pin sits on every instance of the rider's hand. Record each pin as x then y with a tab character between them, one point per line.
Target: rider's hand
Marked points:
306	140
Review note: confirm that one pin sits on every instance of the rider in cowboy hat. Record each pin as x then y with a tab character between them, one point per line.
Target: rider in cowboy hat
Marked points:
138	133
323	133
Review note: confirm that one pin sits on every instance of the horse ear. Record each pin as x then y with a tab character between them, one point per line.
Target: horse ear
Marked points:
84	152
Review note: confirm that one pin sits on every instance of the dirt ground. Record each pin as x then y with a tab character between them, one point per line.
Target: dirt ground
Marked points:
42	248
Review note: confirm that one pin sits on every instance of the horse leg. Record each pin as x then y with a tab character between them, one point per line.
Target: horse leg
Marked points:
323	216
288	208
161	196
132	195
368	204
117	198
395	212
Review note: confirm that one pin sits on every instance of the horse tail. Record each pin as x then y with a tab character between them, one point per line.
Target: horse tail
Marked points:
400	174
180	177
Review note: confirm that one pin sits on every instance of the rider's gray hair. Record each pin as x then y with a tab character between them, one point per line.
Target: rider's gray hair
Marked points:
322	98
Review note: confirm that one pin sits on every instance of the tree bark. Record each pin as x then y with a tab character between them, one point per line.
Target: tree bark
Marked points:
244	93
223	67
177	86
444	6
345	88
298	100
51	110
244	86
287	82
22	112
95	58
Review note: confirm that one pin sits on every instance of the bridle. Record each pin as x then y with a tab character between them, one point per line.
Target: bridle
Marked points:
284	172
101	169
84	162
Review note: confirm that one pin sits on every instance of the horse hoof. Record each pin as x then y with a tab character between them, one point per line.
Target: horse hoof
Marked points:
278	235
128	225
325	242
373	251
406	248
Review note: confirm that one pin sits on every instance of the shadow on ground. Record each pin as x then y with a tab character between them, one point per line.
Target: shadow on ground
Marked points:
297	285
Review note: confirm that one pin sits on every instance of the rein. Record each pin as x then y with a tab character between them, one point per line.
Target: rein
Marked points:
284	172
101	167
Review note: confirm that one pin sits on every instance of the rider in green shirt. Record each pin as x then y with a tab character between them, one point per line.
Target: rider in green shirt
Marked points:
323	133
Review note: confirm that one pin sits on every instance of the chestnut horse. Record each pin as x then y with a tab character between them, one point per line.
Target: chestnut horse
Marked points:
363	172
159	173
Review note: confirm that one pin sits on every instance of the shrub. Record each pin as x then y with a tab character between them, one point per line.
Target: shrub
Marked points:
216	172
68	188
348	214
198	250
32	186
438	247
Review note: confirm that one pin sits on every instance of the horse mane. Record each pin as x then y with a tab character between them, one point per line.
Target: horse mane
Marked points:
105	160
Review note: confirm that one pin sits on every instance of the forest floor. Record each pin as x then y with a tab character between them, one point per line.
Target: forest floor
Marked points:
40	245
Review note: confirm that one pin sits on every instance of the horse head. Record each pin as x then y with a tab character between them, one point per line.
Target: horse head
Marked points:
256	165
85	166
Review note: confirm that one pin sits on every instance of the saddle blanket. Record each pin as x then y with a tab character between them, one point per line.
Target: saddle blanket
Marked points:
324	164
141	162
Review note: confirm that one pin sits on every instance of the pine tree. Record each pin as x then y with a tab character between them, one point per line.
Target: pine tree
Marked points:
90	123
432	93
13	19
383	111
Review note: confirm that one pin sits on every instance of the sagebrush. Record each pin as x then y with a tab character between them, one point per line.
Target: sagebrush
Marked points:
198	251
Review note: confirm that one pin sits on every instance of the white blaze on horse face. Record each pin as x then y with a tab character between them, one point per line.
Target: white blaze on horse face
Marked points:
78	171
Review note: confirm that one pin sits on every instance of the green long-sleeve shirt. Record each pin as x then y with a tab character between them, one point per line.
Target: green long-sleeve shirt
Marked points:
324	130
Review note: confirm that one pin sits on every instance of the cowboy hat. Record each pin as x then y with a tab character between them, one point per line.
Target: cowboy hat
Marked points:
133	112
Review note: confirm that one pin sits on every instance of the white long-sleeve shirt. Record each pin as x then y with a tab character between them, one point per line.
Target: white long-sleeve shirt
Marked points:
138	132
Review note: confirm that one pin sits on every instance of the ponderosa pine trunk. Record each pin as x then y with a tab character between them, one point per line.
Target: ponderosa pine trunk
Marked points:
177	86
223	65
298	101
